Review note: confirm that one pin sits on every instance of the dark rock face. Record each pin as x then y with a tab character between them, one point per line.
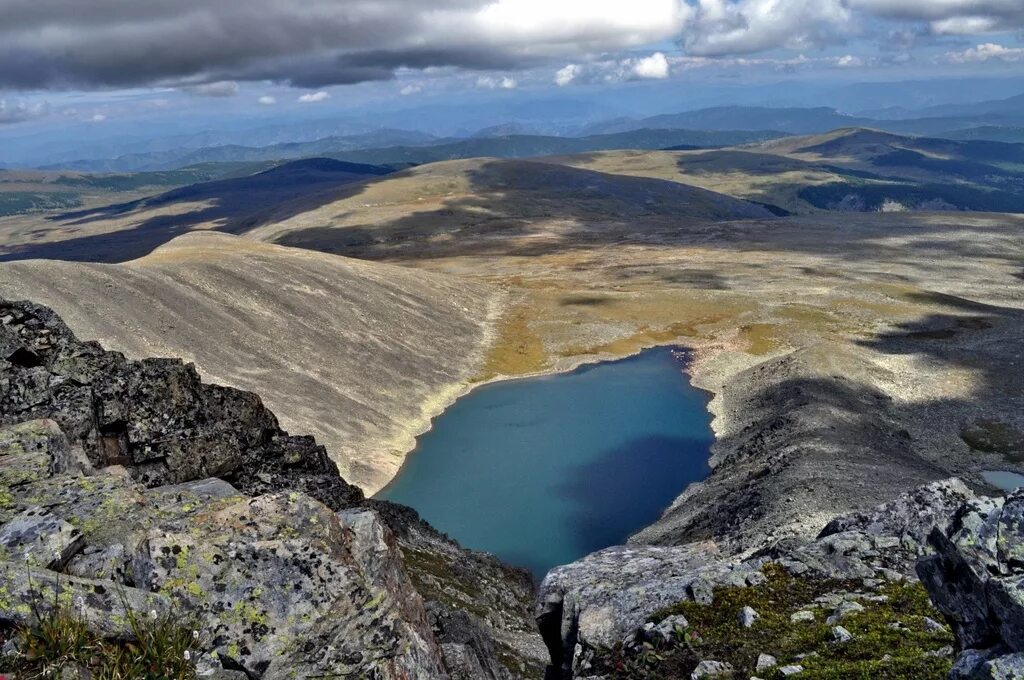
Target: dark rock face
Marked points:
154	417
976	579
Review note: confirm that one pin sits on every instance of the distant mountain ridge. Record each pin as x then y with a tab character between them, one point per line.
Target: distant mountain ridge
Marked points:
419	151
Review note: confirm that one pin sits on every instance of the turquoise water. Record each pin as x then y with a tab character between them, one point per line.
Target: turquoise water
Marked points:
543	471
1002	479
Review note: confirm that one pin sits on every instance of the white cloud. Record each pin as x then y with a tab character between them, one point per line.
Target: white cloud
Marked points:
267	100
314	97
566	75
849	61
986	52
98	118
655	66
410	89
495	83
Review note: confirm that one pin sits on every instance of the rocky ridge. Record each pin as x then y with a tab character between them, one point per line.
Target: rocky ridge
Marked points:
966	548
135	478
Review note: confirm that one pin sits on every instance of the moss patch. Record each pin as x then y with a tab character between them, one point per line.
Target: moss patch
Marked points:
517	351
993	436
890	639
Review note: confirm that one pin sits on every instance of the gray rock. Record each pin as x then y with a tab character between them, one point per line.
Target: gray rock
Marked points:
794	669
284	586
765	661
748	616
841	635
914	515
802	616
611	593
1007	667
975	579
969	665
667	629
711	669
845	609
39	538
1006	602
933	626
106	607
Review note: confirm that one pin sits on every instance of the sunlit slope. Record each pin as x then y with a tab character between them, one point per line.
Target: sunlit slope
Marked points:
849	170
359	354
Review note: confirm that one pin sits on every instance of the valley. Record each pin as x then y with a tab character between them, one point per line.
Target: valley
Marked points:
857	345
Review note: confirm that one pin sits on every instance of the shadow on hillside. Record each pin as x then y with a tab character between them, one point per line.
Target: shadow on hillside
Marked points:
233	206
823	441
533	208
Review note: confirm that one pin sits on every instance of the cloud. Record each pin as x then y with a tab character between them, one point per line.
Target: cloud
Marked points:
849	61
950	17
267	100
98	118
17	112
655	66
313	43
986	52
410	89
220	88
719	28
207	44
567	74
726	27
314	97
496	83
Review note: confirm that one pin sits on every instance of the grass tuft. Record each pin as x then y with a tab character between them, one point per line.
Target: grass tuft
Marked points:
60	643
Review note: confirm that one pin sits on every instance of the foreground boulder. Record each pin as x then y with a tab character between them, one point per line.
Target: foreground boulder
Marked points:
275	584
976	579
135	477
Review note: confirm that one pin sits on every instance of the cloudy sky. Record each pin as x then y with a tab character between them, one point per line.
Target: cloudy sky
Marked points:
99	60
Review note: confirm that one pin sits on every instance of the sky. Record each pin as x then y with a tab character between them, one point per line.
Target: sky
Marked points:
104	62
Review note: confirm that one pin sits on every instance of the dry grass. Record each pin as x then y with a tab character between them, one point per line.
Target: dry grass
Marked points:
518	349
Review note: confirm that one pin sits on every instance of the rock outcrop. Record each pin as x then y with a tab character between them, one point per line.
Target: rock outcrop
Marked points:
606	597
976	579
135	478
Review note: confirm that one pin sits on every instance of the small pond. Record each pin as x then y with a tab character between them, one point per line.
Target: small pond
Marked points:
1002	479
542	471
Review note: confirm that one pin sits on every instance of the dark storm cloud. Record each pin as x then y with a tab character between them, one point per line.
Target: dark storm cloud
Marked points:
104	43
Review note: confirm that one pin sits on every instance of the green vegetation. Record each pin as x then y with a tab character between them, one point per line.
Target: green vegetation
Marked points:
19	202
891	640
59	643
994	436
872	197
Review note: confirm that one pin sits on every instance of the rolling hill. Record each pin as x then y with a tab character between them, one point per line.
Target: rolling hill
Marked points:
124	231
359	354
852	169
